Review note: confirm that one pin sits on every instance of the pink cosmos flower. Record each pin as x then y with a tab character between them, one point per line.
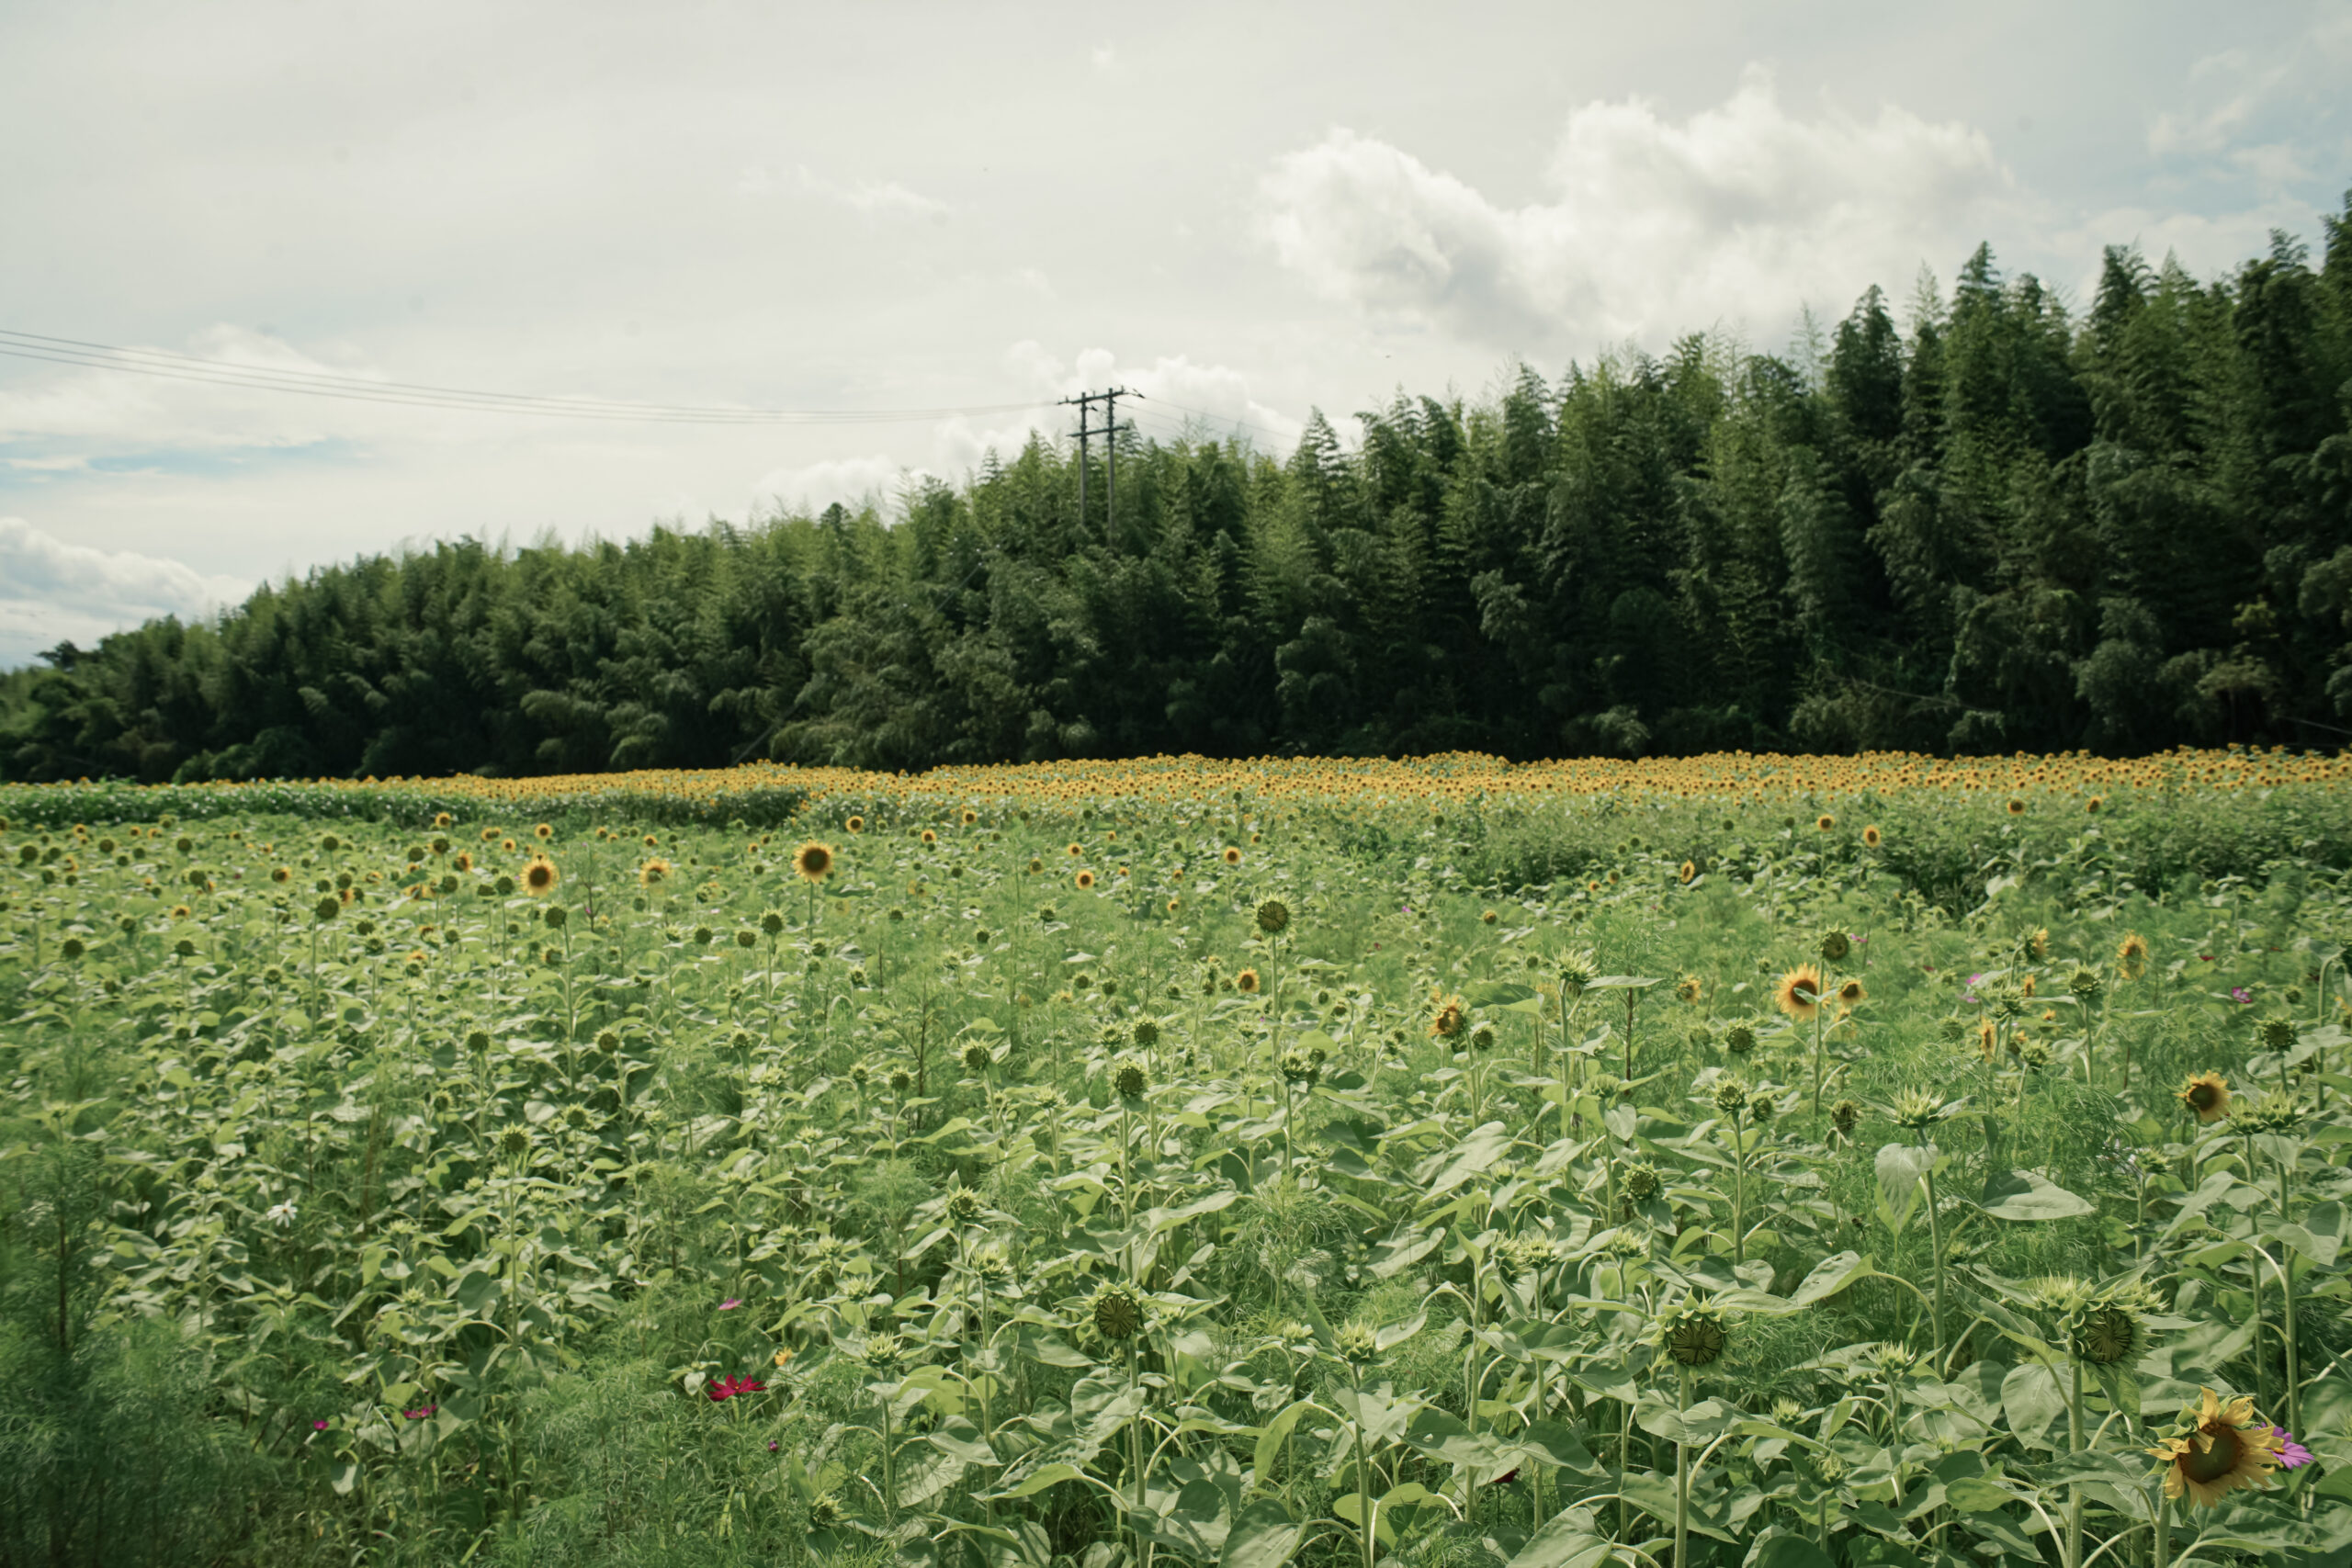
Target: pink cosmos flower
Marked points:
2240	994
317	1425
728	1387
2292	1455
421	1415
730	1303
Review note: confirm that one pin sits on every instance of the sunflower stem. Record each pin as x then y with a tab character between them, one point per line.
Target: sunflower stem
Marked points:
2075	1442
1682	1484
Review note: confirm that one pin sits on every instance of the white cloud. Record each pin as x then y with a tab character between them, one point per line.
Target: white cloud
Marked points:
884	198
55	591
1651	226
813	487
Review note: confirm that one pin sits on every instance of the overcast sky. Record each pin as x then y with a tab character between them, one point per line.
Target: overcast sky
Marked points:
1242	211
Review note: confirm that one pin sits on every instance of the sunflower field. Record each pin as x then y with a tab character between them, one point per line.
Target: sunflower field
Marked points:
1732	1160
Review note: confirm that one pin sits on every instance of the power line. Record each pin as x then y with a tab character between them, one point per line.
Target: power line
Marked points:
354	389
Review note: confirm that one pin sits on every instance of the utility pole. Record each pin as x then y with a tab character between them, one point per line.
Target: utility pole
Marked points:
1108	431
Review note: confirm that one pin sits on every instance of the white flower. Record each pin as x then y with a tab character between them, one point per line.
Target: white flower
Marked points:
280	1213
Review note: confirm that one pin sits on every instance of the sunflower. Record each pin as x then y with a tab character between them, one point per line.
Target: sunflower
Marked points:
1246	982
970	816
1825	822
1085	880
2207	1094
1076	850
653	840
2132	957
1686	988
544	832
2221	1448
1446	1022
1871	837
654	873
440	820
507	845
489	835
1988	1040
813	861
1690	869
540	876
2094	802
1799	992
854	824
1174	904
929	838
1232	855
2017	807
1852	992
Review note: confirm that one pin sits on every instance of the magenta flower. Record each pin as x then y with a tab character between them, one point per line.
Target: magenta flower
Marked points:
2240	994
421	1415
2292	1455
317	1425
728	1387
772	1445
730	1303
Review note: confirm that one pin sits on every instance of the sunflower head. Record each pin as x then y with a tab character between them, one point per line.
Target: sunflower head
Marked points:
1084	881
1871	837
1694	1334
1232	855
1852	992
1447	1020
540	876
1686	988
1690	869
1845	1115
1740	1039
2110	1332
2206	1095
1916	1111
853	824
813	861
2275	1033
654	873
1246	982
1274	917
2132	955
1129	1080
1825	822
1799	991
1118	1313
1641	1181
2217	1448
2085	984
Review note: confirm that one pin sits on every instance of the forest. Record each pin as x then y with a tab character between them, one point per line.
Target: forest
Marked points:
1984	520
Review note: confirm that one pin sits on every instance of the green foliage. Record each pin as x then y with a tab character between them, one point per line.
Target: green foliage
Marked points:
434	1232
1999	527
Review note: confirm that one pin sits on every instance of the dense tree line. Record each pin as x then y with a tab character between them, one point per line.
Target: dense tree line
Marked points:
1999	524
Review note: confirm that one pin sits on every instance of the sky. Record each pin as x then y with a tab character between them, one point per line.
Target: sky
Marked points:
951	216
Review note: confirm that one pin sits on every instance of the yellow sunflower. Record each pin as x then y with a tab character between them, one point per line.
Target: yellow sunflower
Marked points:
2207	1095
540	876
1246	982
813	861
1871	837
2132	957
1085	880
1799	992
654	873
1446	1022
2224	1447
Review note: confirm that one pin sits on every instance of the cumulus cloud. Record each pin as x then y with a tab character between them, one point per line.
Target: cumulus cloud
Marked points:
1177	397
1650	226
50	591
813	487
